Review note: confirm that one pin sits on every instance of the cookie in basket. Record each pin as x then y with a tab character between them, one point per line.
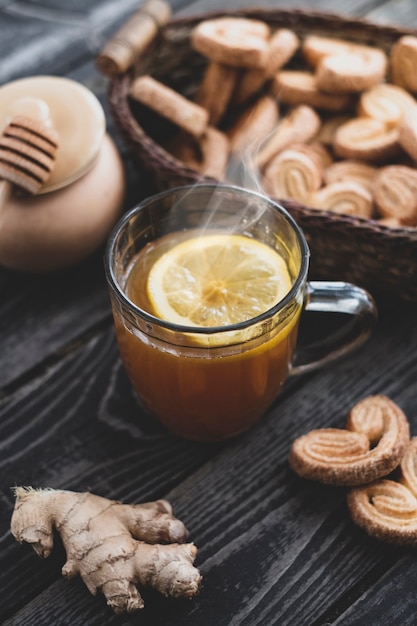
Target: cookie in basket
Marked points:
188	115
379	252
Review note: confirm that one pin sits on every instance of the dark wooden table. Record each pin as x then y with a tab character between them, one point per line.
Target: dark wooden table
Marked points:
273	549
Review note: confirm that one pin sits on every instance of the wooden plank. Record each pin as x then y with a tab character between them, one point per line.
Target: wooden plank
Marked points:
273	548
392	600
43	332
40	314
56	432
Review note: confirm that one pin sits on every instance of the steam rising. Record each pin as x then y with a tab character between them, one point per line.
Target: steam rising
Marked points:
242	171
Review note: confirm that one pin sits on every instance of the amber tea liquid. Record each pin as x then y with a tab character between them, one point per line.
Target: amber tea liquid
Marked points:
198	391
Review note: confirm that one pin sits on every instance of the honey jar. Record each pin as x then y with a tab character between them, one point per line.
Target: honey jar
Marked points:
82	199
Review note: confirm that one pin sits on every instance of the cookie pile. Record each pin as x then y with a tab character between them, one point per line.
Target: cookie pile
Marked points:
376	442
324	121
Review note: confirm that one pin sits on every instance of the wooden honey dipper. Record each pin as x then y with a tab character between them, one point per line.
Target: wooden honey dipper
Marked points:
27	155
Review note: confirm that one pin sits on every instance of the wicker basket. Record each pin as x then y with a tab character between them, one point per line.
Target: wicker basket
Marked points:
381	259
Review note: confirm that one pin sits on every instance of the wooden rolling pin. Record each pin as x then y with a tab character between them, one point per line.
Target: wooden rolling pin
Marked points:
27	156
131	40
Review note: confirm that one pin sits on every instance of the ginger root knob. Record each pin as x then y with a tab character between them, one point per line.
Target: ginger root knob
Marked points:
112	546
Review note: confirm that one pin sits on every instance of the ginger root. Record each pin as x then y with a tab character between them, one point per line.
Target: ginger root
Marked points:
112	546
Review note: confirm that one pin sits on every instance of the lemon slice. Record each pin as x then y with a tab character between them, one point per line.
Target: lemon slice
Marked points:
217	280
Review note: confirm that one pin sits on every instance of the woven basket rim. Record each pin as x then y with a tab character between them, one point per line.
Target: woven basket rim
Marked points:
308	14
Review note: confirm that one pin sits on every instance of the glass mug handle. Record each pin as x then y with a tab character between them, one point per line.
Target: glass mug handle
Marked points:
336	297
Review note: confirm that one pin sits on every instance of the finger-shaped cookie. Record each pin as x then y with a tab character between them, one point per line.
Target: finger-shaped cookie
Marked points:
208	154
169	104
345	457
387	103
215	90
185	148
345	197
282	46
352	73
253	126
236	41
298	126
215	150
395	193
403	59
350	170
299	87
366	139
386	509
292	175
408	133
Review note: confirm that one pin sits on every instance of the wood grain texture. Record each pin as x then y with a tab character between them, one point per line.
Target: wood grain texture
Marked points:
273	549
257	525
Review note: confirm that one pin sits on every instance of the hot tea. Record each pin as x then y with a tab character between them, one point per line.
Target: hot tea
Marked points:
217	385
207	286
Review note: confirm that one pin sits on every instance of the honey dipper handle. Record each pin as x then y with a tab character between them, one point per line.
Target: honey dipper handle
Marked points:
336	297
5	192
131	40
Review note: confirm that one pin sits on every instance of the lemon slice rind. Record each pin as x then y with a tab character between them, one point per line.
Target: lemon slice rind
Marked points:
217	280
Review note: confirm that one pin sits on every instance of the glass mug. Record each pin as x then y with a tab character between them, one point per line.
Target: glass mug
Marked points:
210	384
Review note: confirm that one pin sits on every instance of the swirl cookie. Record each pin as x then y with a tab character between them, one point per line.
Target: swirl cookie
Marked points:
298	87
373	444
366	139
387	103
169	104
236	41
350	170
345	197
386	509
403	59
344	66
352	73
395	193
300	125
293	174
316	47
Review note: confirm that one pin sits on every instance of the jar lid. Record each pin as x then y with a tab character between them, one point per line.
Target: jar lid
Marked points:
74	112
